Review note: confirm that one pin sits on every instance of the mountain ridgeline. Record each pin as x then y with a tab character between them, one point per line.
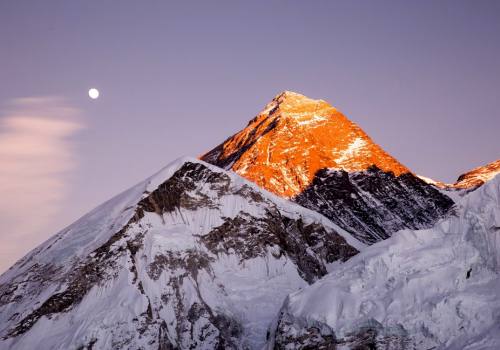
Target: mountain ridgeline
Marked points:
282	237
192	258
309	152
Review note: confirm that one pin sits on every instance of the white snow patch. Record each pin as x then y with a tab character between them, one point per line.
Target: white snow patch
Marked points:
351	151
441	284
310	120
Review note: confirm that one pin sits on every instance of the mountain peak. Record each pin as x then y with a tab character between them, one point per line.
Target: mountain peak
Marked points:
295	105
293	138
471	179
288	96
478	176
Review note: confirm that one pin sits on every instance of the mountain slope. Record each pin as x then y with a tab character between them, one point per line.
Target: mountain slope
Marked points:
373	204
428	289
293	138
470	180
192	258
308	151
478	176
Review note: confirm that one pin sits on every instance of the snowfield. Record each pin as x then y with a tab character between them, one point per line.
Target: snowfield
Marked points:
437	288
194	257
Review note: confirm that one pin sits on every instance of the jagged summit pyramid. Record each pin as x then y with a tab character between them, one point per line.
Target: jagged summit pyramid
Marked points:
309	152
197	257
293	138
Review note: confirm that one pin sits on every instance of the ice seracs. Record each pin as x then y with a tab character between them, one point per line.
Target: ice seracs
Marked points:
428	289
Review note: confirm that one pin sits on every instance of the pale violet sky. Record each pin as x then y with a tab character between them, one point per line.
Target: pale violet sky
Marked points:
176	78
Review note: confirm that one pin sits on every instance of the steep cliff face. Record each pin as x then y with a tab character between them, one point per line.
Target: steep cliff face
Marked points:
192	258
427	289
373	204
309	152
293	138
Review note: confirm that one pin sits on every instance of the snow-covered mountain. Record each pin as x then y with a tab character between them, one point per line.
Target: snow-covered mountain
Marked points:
202	256
428	289
192	258
309	152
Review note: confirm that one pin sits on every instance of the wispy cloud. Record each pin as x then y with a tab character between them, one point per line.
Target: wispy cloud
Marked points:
36	155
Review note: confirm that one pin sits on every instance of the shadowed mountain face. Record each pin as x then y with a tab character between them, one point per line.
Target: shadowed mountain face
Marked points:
309	152
429	289
373	204
192	258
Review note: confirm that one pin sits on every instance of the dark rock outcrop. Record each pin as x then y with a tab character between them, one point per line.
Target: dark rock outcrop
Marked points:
171	295
373	204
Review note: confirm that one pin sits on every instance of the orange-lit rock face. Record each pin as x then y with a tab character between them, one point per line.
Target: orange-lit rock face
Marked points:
291	139
471	179
478	176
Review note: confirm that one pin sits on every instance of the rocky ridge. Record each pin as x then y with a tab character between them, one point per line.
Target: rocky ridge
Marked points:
429	289
294	137
192	258
470	180
309	152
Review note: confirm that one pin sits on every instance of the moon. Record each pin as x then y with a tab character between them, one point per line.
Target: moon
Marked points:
93	93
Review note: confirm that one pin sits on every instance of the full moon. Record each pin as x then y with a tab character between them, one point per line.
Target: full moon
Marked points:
93	93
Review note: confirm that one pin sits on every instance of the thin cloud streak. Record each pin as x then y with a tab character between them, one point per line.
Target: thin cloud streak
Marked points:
36	156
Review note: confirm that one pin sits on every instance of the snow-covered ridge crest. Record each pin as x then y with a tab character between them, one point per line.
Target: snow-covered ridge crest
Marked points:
427	289
97	226
193	257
